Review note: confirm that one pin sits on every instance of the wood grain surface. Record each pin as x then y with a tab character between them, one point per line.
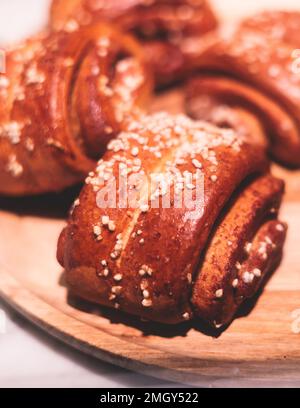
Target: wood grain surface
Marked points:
261	347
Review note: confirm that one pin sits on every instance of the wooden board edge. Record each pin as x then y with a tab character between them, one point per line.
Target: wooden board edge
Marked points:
154	363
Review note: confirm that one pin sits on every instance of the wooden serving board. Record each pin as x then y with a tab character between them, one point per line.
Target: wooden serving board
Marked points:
261	347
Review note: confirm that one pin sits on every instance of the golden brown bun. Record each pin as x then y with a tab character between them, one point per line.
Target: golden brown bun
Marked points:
160	24
173	264
63	98
249	77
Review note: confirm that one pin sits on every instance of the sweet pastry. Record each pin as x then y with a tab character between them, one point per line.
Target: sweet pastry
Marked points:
63	98
159	256
249	79
160	24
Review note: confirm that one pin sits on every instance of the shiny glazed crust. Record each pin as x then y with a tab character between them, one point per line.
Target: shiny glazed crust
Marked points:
172	264
250	77
63	98
160	24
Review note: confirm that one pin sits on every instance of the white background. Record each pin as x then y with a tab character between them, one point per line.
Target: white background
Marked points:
19	18
28	357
